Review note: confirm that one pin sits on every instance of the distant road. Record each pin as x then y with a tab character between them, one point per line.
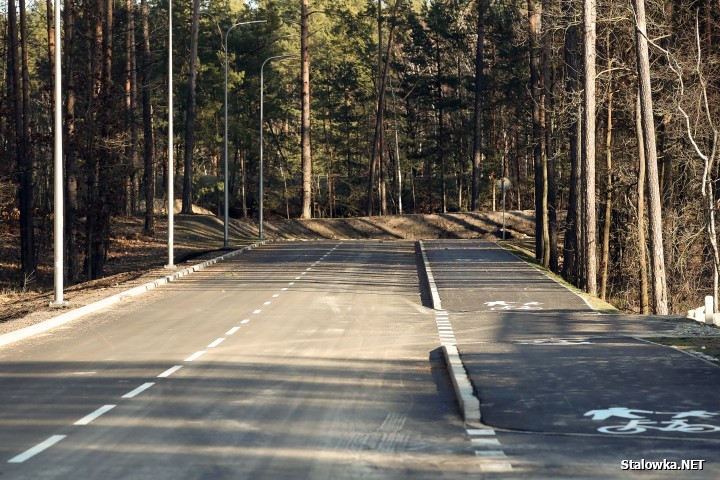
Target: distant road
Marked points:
296	360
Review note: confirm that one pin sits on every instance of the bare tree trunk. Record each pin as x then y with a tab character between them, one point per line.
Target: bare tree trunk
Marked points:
148	141
306	152
72	243
589	220
538	107
377	139
657	257
441	126
550	257
642	243
131	108
27	234
187	196
478	113
605	257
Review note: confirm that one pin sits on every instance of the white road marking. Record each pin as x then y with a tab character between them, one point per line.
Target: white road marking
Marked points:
138	390
276	295
256	311
169	371
480	431
232	331
297	278
485	442
216	342
496	467
283	289
247	320
489	453
89	418
267	303
40	447
291	283
195	356
303	273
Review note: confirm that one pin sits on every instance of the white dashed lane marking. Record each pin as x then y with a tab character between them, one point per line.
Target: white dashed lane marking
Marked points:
97	413
40	447
169	371
257	311
247	320
216	342
195	356
232	331
138	390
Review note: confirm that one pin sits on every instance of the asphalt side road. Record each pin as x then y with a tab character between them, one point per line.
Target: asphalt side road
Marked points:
567	392
296	360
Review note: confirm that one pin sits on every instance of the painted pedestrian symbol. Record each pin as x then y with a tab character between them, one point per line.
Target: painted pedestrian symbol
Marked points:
640	421
503	305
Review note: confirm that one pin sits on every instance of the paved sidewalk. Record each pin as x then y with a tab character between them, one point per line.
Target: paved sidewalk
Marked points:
572	393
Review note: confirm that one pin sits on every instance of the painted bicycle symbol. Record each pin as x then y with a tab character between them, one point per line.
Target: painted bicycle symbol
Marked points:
503	305
640	421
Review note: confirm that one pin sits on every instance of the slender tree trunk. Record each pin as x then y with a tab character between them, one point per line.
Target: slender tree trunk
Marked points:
550	257
27	220
377	139
441	126
589	220
657	256
306	152
642	243
72	243
148	140
187	196
536	78
478	113
605	257
131	108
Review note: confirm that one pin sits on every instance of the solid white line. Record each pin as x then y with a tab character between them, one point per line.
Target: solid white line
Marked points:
489	453
89	418
232	330
216	342
480	431
195	356
485	442
256	311
40	447
138	390
247	320
169	371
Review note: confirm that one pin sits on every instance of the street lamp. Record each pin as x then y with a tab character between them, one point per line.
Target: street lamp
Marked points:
58	167
226	184
171	163
262	82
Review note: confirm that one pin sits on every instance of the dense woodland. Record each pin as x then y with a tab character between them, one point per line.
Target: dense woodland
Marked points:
604	116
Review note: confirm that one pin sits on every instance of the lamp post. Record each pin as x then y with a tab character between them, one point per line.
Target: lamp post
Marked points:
171	163
58	167
262	83
226	183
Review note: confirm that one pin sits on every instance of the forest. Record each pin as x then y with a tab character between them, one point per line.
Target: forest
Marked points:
602	114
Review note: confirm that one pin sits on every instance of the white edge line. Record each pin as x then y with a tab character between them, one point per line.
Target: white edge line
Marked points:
138	390
97	413
40	447
32	330
169	371
195	356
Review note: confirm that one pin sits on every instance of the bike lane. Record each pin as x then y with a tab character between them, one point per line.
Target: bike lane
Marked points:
571	393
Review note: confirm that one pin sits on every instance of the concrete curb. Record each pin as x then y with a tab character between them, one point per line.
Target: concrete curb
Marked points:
72	315
468	402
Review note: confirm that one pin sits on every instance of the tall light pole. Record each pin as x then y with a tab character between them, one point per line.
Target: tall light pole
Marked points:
58	166
262	83
171	163
226	182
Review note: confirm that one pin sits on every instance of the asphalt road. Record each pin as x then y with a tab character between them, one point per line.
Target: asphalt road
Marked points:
296	360
567	392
